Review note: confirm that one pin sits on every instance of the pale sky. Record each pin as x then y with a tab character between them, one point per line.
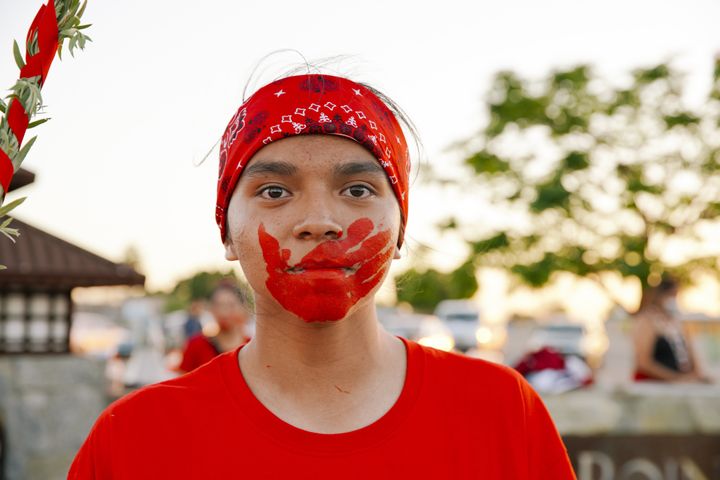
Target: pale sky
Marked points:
155	89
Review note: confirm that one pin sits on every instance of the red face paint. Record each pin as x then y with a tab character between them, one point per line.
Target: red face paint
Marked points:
332	277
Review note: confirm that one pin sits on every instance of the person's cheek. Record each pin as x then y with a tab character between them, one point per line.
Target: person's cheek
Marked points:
332	277
223	323
250	257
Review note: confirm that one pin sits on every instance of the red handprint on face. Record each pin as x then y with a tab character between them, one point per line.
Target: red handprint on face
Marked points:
332	277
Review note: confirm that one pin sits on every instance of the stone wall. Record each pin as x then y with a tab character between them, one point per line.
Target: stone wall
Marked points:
643	431
638	409
47	405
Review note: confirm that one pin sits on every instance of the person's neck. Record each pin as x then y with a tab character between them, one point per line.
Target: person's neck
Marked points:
230	338
338	348
323	376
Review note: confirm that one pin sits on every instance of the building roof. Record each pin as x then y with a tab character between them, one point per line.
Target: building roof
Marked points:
38	259
20	179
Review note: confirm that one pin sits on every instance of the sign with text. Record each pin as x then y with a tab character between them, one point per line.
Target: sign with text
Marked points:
645	457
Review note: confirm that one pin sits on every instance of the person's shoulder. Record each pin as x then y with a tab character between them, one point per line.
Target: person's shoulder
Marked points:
463	374
196	340
200	386
450	362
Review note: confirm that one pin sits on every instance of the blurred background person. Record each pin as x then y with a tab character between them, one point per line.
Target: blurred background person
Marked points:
230	307
662	350
192	325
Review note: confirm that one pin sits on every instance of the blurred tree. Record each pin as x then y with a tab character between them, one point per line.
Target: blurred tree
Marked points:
596	178
132	258
198	286
425	289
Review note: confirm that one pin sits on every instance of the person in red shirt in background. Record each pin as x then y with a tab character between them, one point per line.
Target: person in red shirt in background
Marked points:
312	202
192	325
230	308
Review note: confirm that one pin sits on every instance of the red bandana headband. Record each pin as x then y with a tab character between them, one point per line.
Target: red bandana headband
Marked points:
312	104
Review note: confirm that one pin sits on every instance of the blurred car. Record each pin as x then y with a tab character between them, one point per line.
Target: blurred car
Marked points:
95	334
427	330
566	338
462	317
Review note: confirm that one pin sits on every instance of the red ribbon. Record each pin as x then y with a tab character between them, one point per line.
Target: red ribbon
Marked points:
45	23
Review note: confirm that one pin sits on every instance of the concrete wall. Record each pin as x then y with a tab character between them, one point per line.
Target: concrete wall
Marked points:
47	405
654	408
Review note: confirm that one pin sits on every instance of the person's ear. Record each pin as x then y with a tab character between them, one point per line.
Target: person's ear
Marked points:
230	253
397	255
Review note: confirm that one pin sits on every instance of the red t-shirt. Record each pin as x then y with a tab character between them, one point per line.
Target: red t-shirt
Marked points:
457	417
199	350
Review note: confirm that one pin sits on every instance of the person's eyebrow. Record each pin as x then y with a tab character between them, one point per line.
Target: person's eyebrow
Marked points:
354	168
270	166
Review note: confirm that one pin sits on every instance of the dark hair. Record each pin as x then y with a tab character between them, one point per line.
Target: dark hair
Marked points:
240	291
653	295
667	285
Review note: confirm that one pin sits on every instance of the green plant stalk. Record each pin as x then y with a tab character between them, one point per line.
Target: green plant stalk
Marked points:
27	92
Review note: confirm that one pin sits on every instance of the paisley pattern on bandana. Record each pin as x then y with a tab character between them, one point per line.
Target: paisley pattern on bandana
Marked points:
312	104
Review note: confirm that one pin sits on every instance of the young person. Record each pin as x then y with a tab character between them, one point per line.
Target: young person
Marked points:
312	201
663	353
229	308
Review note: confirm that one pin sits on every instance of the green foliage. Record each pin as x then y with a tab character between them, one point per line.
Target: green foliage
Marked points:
69	13
5	229
647	76
495	242
197	286
18	56
610	184
550	194
424	290
535	274
484	162
575	161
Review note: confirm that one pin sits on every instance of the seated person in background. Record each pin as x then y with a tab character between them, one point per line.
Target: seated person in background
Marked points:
229	306
662	351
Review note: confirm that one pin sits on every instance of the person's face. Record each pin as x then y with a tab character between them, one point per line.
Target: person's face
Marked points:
227	309
196	307
668	300
315	224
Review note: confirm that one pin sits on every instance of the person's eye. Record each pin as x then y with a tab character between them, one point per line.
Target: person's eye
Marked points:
359	191
273	192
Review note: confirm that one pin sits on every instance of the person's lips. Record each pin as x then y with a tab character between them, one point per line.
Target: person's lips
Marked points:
323	265
333	276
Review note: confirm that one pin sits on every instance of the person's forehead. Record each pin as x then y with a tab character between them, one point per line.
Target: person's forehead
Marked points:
308	153
224	296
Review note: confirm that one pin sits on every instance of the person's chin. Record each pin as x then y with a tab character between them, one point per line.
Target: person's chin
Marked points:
328	307
323	307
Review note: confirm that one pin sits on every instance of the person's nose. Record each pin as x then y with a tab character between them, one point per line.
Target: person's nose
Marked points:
317	228
318	223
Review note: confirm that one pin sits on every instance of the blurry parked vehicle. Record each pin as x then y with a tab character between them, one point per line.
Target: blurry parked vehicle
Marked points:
427	330
94	334
566	338
573	339
462	317
433	333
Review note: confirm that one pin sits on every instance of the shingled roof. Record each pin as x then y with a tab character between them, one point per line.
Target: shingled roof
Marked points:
38	259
